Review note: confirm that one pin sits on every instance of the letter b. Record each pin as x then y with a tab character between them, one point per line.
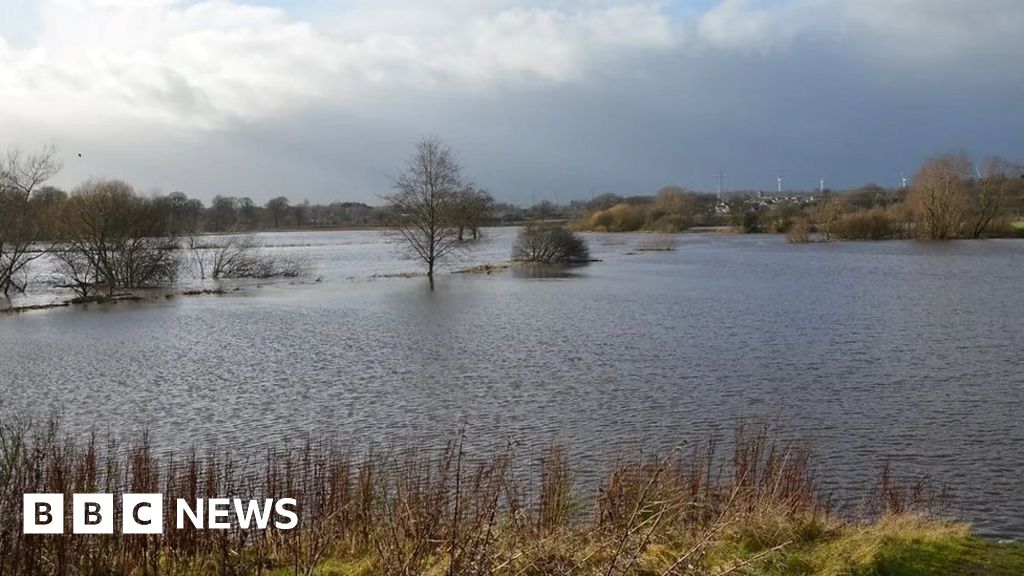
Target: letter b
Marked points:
93	514
43	514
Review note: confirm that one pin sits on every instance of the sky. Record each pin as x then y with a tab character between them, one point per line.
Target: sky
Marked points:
552	100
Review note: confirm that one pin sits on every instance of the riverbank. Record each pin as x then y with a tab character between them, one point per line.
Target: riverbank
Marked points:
749	506
904	545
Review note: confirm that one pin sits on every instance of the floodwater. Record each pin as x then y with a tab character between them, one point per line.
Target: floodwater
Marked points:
908	351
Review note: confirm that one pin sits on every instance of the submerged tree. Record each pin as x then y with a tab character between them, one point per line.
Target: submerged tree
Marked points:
115	238
472	208
987	203
938	196
22	212
424	204
826	214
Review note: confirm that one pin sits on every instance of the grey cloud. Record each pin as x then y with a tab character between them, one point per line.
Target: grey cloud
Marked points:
849	91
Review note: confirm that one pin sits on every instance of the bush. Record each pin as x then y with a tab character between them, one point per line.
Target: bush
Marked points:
799	231
874	224
239	256
114	238
672	211
669	223
549	244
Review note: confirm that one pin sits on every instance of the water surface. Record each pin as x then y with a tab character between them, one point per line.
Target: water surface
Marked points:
903	350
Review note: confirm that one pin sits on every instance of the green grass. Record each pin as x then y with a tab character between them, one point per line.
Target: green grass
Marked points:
902	546
896	546
1019	224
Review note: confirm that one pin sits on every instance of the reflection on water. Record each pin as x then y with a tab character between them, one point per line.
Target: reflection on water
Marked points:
903	350
547	272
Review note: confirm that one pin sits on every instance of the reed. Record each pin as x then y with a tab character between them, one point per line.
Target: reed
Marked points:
427	511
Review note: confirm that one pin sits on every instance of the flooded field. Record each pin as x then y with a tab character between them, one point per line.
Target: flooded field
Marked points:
908	351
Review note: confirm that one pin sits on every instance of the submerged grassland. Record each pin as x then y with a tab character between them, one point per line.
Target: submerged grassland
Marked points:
751	506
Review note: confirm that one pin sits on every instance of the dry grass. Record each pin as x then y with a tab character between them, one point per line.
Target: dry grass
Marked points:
406	512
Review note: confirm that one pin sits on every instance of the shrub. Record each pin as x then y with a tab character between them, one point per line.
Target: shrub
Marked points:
669	223
549	244
239	256
874	224
113	237
671	211
799	231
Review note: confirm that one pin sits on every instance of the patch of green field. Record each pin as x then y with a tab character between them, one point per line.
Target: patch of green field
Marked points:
897	546
908	547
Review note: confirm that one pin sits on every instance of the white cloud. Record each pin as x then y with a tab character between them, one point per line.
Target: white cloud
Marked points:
745	26
216	61
955	35
180	93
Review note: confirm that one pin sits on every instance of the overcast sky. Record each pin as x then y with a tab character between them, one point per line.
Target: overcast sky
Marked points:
550	100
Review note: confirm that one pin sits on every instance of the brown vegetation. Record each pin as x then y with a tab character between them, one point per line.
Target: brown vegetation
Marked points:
549	244
799	230
111	237
430	512
238	256
938	196
672	209
24	207
873	224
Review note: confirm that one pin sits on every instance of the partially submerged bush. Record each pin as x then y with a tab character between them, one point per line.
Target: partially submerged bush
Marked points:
549	244
799	231
239	256
672	210
112	237
873	224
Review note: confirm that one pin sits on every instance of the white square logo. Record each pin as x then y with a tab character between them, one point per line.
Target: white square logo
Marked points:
43	514
92	514
142	514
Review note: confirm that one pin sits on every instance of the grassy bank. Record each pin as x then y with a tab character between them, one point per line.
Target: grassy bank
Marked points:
902	545
751	506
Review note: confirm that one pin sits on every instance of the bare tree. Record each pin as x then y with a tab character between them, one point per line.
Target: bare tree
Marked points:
988	198
278	207
239	256
21	213
25	173
473	208
827	214
115	238
425	201
938	195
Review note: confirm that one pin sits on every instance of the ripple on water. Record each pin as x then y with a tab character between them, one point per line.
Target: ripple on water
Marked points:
874	351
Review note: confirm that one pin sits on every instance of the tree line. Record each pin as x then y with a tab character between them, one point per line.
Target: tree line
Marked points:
104	235
950	196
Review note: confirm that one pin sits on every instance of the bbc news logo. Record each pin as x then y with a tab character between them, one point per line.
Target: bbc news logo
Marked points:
144	513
